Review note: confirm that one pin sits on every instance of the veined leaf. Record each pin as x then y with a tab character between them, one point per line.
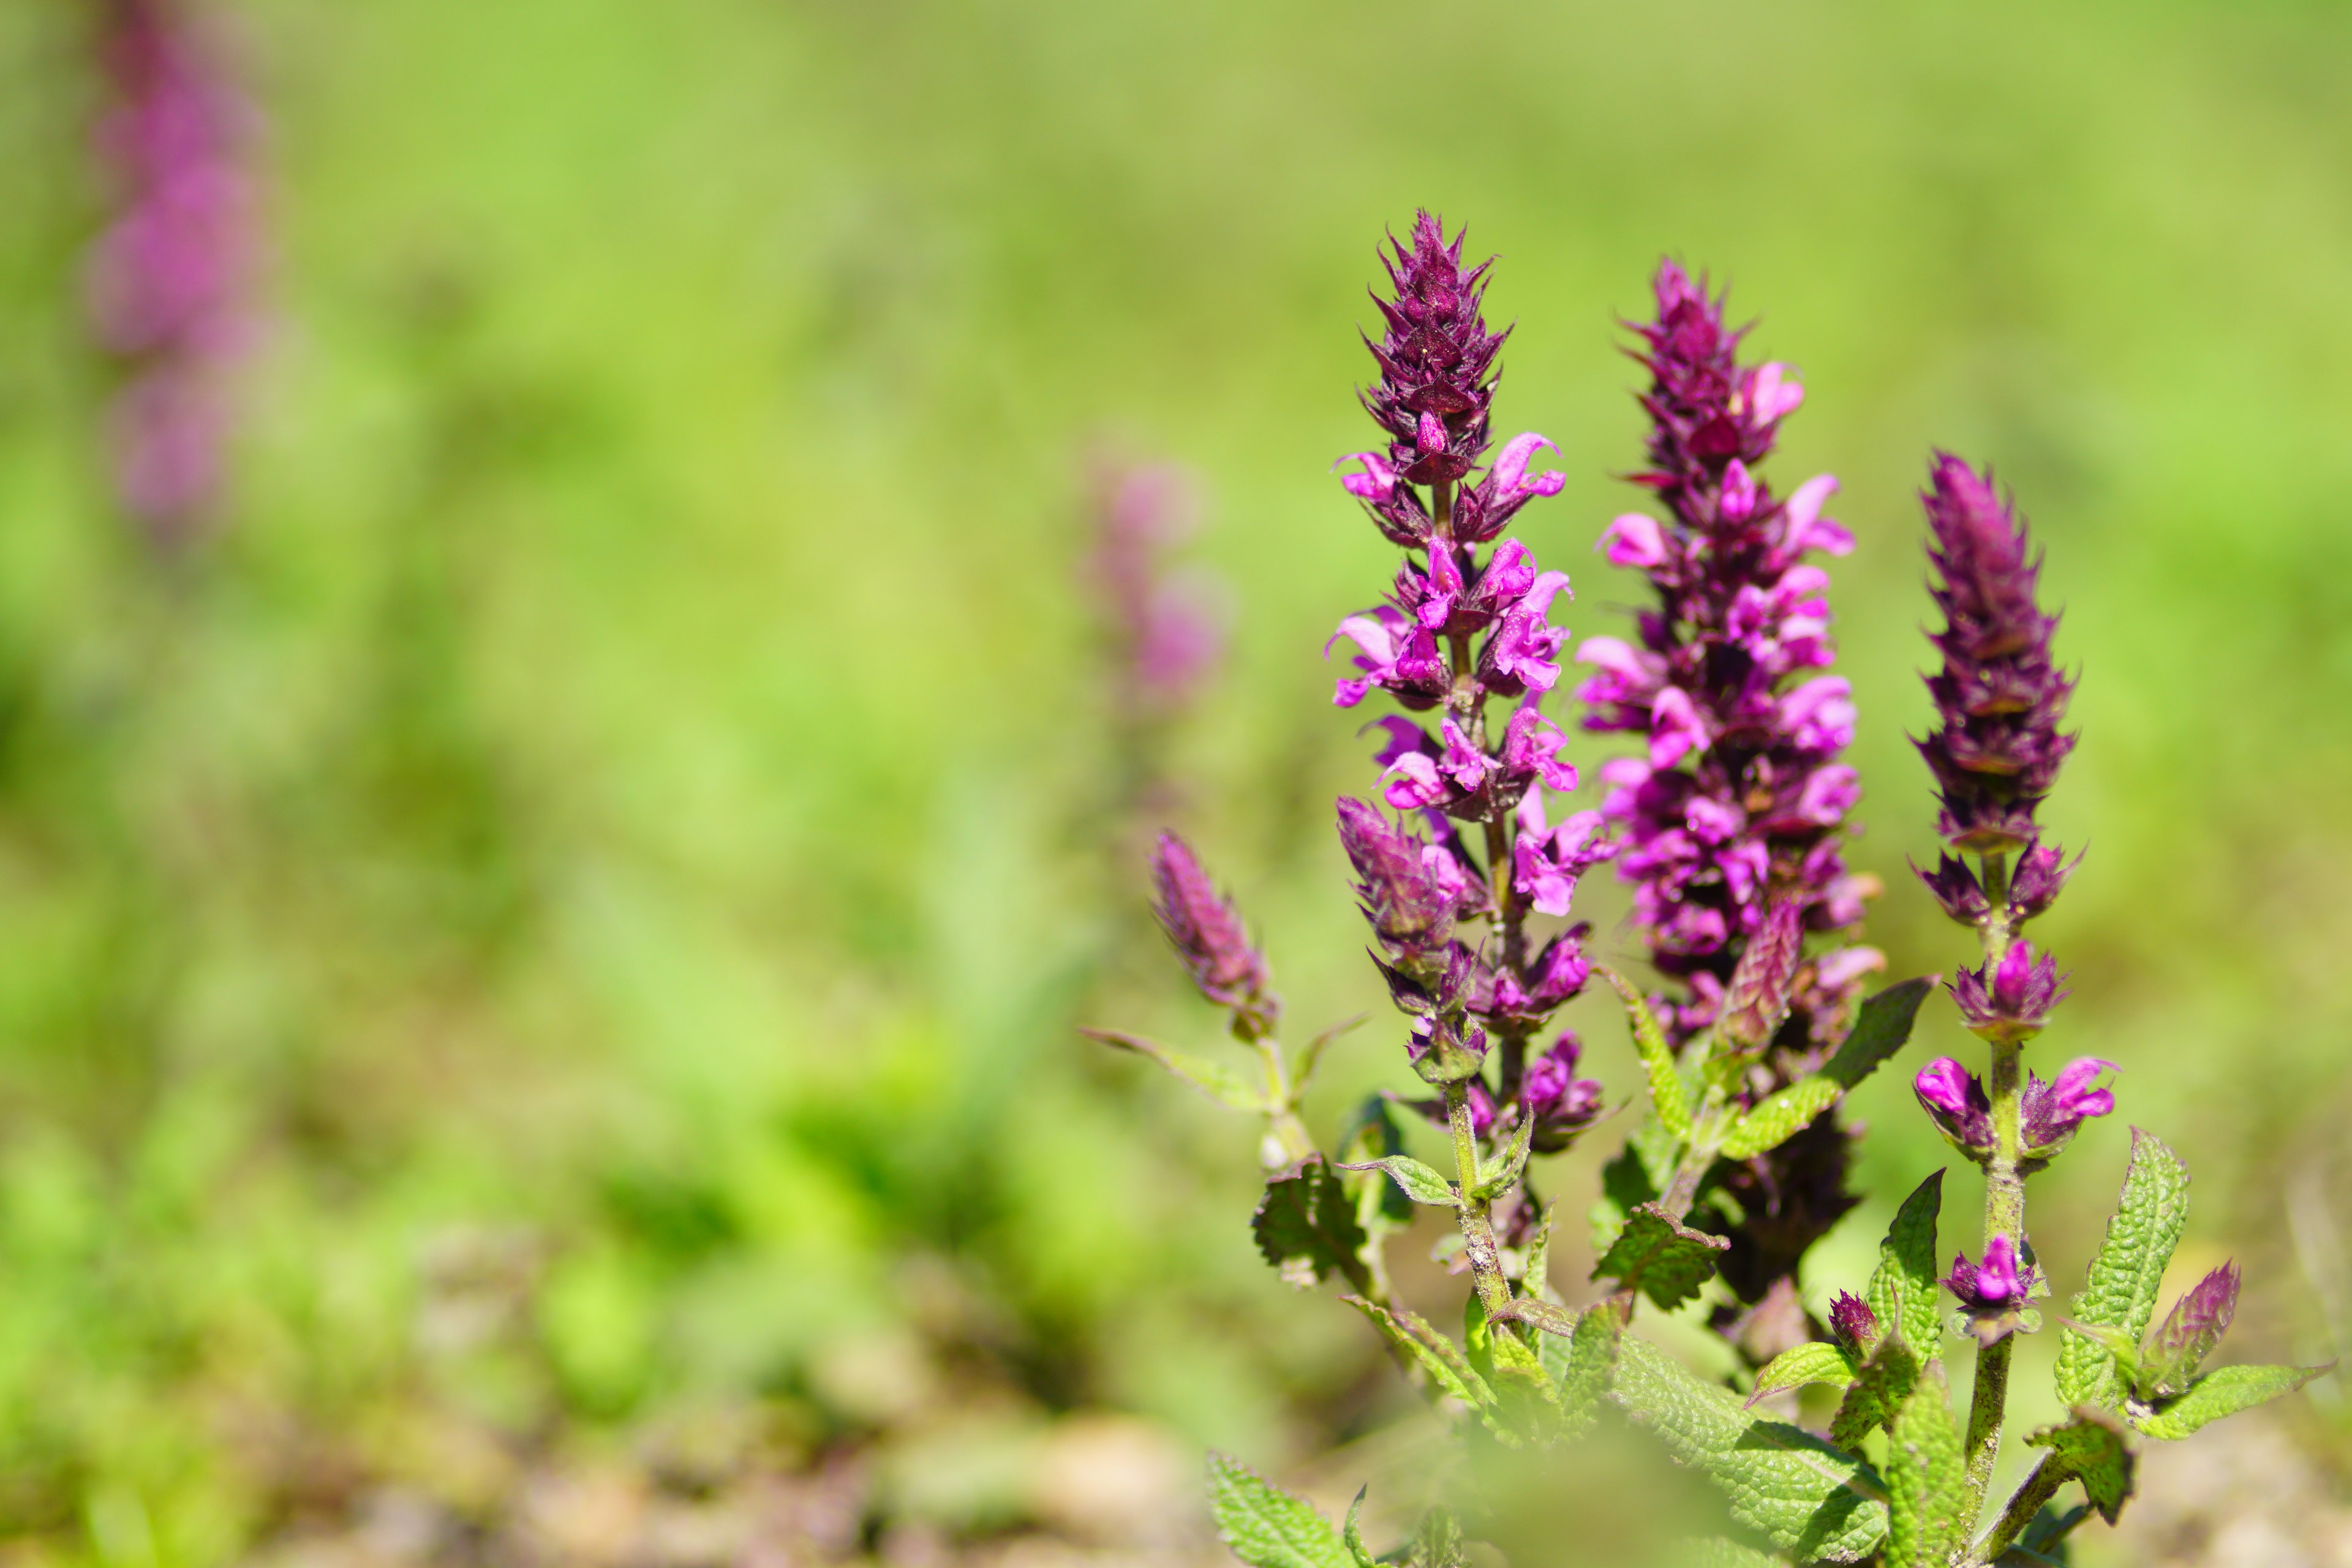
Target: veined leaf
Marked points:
1881	1027
1666	1261
1421	1182
1902	1293
1438	1542
1780	1118
1718	1552
1815	1361
2092	1449
1452	1374
1215	1079
2222	1391
1803	1496
1267	1526
1580	1364
2120	1293
1926	1478
1526	1400
1534	1275
1880	1387
1667	1094
1306	1225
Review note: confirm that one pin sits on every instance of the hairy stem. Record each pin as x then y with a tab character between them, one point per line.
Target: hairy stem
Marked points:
2037	1488
1477	1220
1289	1134
2004	1211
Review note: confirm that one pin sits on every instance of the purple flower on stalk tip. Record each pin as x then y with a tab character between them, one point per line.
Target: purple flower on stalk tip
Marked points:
1207	933
171	278
2049	1113
1854	1325
1997	1284
2010	1000
2000	699
1955	1100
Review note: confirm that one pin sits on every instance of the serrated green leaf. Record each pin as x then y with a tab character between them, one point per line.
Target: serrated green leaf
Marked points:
2092	1449
1881	1027
1451	1373
1215	1079
1637	1173
1668	1095
1879	1386
2120	1293
1495	1179
1353	1537
1422	1183
1534	1274
1780	1118
1803	1496
1527	1402
2116	1344
1902	1291
1815	1361
1306	1225
2224	1391
1718	1552
1663	1260
1372	1135
1581	1365
1265	1526
1438	1542
1926	1478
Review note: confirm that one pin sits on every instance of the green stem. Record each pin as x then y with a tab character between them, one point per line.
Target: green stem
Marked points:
1697	1157
2004	1211
2038	1487
1290	1134
1478	1219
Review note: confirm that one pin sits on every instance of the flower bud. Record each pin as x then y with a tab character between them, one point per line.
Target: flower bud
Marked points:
1954	1098
1207	934
2049	1113
2010	1001
2042	872
1855	1326
1762	985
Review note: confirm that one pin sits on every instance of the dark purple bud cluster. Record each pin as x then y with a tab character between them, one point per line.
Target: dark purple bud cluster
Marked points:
1739	800
171	278
1999	697
1207	933
1463	625
2010	999
2049	1114
1993	1294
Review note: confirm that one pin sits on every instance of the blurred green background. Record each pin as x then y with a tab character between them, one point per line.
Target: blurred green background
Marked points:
574	909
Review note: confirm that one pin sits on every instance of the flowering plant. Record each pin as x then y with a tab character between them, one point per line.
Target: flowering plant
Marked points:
1727	823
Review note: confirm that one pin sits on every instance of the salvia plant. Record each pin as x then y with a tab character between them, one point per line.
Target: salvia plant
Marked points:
1726	823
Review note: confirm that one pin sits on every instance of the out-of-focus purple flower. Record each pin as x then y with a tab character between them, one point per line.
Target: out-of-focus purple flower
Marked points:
1167	633
1547	860
2042	873
2049	1113
2010	1000
1999	1283
1954	883
1999	699
1561	1104
1855	1324
1956	1101
1207	933
171	279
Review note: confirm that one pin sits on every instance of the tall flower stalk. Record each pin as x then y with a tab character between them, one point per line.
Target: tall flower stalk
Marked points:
1733	813
171	278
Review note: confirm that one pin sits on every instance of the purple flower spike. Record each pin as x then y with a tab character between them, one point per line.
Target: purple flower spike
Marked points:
1999	698
1955	1101
2012	1000
1412	890
1855	1324
1561	1103
1206	931
1437	365
1166	632
2049	1113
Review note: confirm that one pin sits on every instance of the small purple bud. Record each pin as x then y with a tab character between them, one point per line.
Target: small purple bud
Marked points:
1561	1104
1763	984
1955	1100
2000	1284
1956	887
2042	873
1207	933
2012	1000
1853	1323
2049	1113
2189	1333
1410	911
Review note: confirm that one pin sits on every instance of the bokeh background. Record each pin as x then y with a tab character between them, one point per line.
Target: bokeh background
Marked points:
540	959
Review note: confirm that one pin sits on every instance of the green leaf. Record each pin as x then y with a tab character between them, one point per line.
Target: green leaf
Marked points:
1496	1179
1302	1072
1215	1079
1926	1478
1815	1361
1881	1028
2116	1344
1438	1542
1667	1093
1372	1135
1717	1553
1581	1364
1535	1272
1306	1225
2120	1293
2222	1391
1526	1401
1666	1261
1803	1496
1418	1181
1353	1538
1881	1385
1265	1526
1433	1351
1902	1293
1780	1118
2092	1449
